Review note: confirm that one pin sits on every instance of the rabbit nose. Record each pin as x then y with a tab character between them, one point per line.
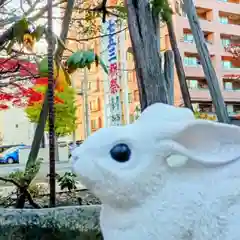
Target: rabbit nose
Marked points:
120	152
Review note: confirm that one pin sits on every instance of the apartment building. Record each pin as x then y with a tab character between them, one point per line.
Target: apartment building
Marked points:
220	22
95	87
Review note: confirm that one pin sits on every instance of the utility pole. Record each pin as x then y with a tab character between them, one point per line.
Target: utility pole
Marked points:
84	87
74	132
123	78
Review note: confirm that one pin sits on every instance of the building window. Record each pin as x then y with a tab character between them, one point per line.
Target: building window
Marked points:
230	108
89	85
129	97
205	107
188	37
233	109
130	76
129	56
190	61
192	84
225	42
236	108
223	20
94	124
95	105
136	96
226	64
195	106
228	86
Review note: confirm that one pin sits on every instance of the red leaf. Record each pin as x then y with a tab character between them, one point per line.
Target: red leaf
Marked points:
58	100
41	81
35	97
17	102
3	106
6	97
26	68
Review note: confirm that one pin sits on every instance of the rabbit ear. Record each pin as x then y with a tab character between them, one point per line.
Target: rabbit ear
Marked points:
160	113
203	142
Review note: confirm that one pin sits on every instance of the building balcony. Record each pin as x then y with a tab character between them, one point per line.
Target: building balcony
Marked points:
191	47
199	94
195	71
231	95
231	71
207	26
229	29
230	6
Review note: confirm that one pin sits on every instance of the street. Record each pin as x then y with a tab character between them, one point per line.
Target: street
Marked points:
61	168
6	169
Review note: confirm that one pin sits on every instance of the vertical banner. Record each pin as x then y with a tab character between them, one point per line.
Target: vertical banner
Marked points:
104	56
123	69
109	54
114	86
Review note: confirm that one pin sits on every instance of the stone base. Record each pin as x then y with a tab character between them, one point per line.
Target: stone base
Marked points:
67	223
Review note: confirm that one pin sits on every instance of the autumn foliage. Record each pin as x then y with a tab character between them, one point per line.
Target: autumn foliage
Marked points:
22	92
37	96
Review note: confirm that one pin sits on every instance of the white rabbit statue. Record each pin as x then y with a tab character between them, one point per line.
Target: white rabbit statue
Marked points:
167	176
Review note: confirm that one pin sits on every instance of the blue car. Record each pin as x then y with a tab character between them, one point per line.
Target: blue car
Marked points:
11	155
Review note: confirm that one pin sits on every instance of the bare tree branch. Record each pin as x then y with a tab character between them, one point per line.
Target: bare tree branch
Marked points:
8	34
99	36
44	10
65	27
2	2
10	181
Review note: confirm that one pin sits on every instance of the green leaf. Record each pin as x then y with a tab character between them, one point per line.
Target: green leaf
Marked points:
81	59
65	113
43	67
121	11
89	56
75	59
20	28
103	65
38	32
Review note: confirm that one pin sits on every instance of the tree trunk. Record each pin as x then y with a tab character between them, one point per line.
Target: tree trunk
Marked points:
150	77
179	66
51	108
21	198
43	141
169	75
208	69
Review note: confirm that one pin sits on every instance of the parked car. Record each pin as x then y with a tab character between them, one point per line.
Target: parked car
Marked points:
11	155
5	147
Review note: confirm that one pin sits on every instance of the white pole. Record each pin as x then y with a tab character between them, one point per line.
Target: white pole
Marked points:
104	56
124	79
74	132
86	107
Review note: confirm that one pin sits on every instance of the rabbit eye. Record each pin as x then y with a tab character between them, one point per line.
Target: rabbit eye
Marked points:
120	152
